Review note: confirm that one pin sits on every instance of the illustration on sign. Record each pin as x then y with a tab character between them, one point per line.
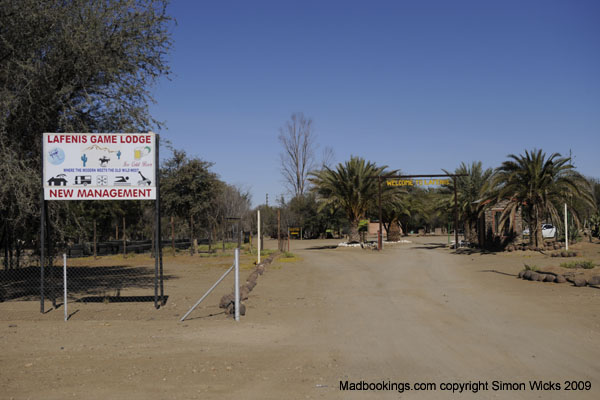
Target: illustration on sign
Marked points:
122	181
58	180
104	161
83	180
56	155
99	166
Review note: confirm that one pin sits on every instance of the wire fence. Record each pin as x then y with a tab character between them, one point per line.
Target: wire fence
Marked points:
108	271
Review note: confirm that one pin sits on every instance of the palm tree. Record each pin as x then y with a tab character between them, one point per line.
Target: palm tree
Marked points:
471	189
540	186
392	210
352	185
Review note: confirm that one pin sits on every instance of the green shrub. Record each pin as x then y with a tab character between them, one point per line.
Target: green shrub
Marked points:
579	264
531	267
287	254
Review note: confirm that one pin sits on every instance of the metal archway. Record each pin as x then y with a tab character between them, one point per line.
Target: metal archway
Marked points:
453	176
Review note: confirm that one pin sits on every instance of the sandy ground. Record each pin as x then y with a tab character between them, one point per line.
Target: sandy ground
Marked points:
415	313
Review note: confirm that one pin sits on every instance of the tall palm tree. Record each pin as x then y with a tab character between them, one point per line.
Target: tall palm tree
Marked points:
540	185
471	189
352	185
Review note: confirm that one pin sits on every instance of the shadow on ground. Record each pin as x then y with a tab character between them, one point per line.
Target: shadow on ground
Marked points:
430	246
332	246
497	272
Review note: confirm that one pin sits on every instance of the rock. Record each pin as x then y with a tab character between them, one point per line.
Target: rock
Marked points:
252	277
564	254
560	279
231	309
244	292
579	282
521	273
549	278
527	274
541	277
594	280
260	269
226	300
250	285
534	276
554	255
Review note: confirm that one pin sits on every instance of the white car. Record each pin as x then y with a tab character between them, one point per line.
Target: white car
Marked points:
548	231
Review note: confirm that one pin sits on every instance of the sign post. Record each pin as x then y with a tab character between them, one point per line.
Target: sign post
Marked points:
101	166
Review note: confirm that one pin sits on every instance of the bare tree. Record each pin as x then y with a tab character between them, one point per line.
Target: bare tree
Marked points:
297	159
328	157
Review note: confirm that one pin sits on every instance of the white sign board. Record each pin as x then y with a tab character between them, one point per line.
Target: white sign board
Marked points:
99	166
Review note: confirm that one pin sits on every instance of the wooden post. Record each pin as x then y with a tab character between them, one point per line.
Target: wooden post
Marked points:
152	254
124	239
239	235
117	231
173	234
279	230
95	253
223	232
192	239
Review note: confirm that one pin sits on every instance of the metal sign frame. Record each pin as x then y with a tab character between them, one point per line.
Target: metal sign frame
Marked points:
453	176
158	254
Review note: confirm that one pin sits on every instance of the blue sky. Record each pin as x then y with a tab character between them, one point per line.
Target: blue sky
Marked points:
416	85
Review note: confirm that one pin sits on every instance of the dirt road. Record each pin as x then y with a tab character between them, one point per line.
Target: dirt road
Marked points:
415	313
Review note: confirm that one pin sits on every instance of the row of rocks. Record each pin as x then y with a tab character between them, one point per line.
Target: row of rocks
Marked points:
228	301
541	276
531	275
565	254
546	246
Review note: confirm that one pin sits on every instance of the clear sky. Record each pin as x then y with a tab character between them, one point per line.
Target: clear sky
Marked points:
415	85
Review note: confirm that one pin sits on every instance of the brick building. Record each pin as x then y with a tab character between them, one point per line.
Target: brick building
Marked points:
488	227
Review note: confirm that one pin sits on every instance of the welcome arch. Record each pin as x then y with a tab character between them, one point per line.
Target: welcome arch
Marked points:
401	181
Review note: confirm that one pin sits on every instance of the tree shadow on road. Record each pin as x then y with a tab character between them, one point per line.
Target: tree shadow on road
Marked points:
430	246
331	246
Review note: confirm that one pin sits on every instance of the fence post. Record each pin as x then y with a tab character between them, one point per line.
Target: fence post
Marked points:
193	243
258	235
124	240
237	284
95	253
173	234
278	229
566	230
65	285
